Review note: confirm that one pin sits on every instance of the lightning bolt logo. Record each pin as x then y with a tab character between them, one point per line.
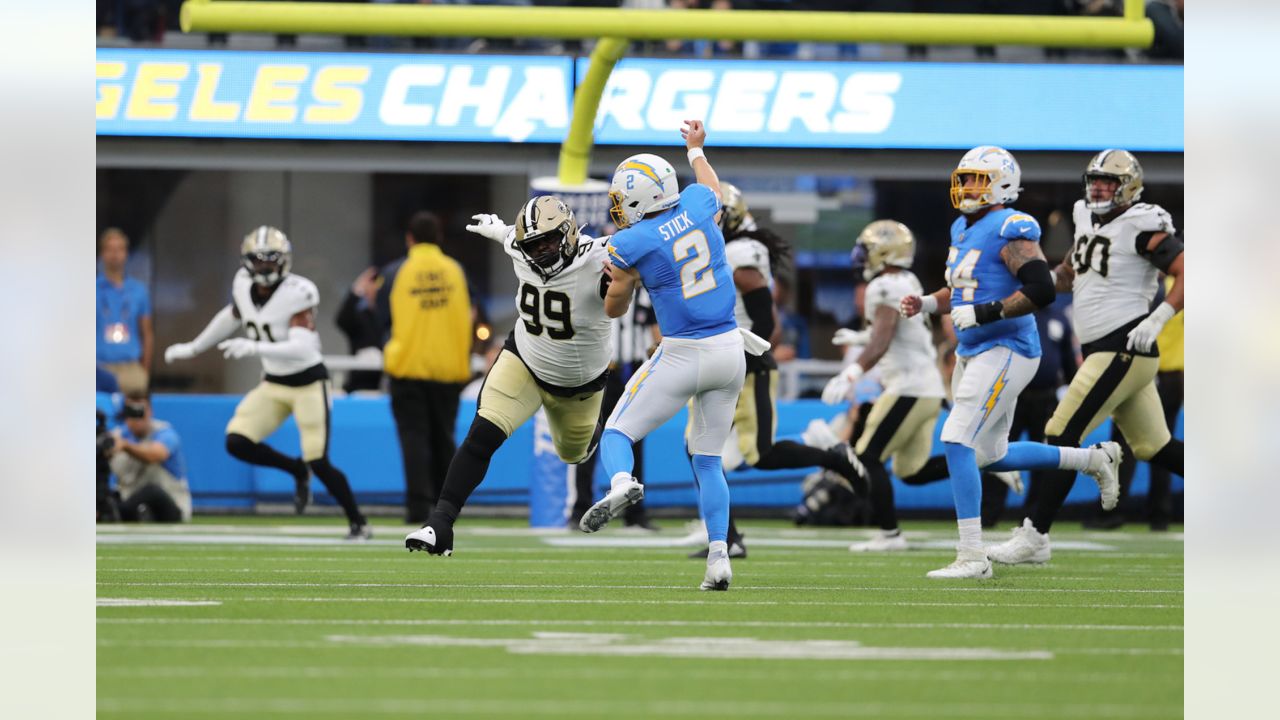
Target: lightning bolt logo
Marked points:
994	396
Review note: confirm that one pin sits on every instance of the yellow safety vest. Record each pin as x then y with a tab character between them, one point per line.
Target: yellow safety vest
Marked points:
1170	339
430	319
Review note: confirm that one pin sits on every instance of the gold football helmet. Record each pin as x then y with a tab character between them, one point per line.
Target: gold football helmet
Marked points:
881	244
547	235
267	255
1120	166
733	209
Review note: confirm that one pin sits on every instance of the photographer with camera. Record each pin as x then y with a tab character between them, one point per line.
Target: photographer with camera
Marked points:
150	469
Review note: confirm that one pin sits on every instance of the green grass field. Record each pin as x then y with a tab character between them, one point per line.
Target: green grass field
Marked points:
280	621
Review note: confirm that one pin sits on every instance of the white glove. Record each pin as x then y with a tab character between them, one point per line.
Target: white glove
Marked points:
964	317
838	387
489	226
1143	337
845	336
179	351
237	348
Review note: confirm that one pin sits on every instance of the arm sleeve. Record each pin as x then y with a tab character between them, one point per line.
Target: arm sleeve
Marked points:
1037	283
300	343
221	327
759	305
1165	253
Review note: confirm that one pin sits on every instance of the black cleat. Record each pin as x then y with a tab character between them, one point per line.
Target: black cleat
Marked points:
360	532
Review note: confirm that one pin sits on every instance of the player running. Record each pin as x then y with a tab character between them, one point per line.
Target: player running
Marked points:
557	357
277	310
996	277
671	243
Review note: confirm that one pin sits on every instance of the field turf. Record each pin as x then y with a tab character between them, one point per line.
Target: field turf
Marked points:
271	617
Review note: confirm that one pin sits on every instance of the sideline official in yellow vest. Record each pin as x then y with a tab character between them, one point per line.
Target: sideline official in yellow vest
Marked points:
427	358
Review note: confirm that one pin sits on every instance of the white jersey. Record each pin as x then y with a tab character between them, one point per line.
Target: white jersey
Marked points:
270	321
747	253
1114	283
563	334
909	368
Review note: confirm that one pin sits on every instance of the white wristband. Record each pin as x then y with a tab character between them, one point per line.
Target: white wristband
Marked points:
929	304
694	154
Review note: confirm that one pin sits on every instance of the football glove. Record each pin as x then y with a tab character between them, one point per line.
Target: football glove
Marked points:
179	351
845	336
489	226
964	317
838	387
1142	337
237	348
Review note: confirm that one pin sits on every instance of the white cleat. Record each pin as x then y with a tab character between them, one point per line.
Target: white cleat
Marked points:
1104	467
881	543
968	565
1026	546
718	575
1012	478
620	497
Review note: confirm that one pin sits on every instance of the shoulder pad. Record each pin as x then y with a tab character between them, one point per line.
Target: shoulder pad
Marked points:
1019	225
1150	218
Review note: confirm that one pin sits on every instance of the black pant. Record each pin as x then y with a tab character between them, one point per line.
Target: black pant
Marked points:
149	503
425	412
585	474
1031	415
1159	501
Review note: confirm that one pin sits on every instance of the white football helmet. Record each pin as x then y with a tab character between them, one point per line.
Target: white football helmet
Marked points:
1118	165
1000	178
267	255
642	184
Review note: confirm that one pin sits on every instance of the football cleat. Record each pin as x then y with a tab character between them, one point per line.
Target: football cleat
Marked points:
1012	478
969	564
359	532
620	497
1026	546
719	573
881	543
432	540
1104	467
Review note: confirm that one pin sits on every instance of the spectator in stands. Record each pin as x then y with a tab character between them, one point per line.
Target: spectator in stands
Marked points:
424	303
1166	16
125	337
150	469
358	320
107	382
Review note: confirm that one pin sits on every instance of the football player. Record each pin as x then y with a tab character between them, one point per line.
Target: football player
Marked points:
557	357
1121	247
671	243
276	308
900	424
996	277
753	254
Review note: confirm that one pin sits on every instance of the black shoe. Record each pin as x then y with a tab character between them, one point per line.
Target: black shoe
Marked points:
434	538
737	551
301	489
360	532
1104	521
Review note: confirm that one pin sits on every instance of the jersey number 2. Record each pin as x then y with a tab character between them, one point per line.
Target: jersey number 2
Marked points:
694	278
554	305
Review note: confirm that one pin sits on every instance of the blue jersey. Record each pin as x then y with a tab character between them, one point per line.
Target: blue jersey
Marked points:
679	254
977	274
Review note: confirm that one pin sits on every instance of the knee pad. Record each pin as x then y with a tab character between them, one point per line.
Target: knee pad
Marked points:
239	446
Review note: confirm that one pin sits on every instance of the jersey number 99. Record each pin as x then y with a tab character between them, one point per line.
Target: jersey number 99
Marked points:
692	250
554	306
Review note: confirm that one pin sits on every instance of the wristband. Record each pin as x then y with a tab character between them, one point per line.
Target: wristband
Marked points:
929	304
988	312
694	154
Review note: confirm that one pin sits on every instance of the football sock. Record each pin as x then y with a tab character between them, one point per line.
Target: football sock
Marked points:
1037	456
791	454
713	494
882	510
256	453
469	465
1169	457
934	470
717	549
1073	458
970	534
734	535
616	453
336	483
966	482
1053	487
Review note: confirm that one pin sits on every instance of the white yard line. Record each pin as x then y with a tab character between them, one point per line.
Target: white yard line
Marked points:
154	602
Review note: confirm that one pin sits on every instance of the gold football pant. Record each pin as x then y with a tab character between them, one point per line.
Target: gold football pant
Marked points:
902	428
1116	385
269	404
511	396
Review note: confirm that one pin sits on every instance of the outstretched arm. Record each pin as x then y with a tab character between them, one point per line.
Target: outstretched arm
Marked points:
695	137
622	287
223	324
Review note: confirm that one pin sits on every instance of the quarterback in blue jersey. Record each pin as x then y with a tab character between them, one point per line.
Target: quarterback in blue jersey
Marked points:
670	242
996	277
